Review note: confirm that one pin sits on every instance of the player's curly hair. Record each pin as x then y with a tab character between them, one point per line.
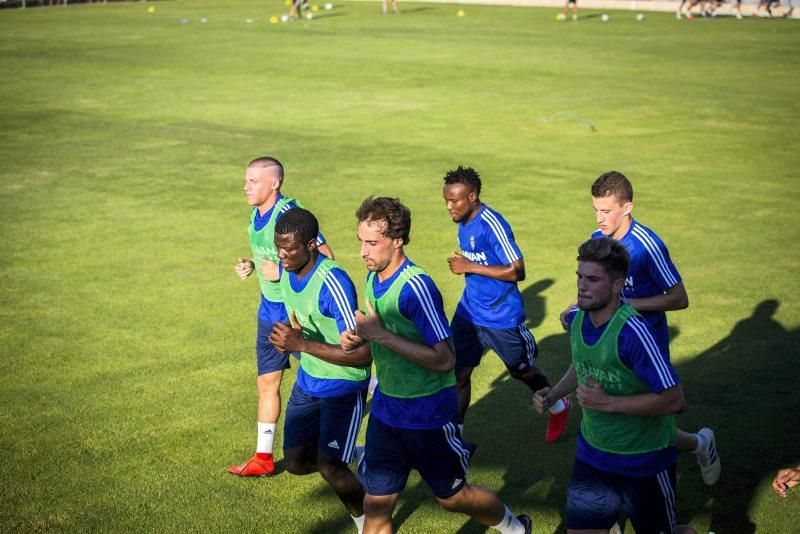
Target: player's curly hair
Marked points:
464	175
613	183
607	252
391	210
299	223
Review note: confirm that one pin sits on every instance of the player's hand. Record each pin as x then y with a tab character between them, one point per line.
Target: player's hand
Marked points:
458	263
269	269
244	268
785	479
368	326
350	341
563	316
288	337
541	401
592	395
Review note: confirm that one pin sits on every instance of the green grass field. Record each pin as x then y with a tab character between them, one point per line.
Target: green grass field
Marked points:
126	340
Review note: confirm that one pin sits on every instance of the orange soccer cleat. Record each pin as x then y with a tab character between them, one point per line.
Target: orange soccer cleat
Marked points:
254	467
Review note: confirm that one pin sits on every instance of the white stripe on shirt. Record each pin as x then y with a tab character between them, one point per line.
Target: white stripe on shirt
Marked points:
339	296
500	234
646	338
425	298
655	253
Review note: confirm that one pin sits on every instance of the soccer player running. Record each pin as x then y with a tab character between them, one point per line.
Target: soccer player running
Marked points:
653	286
629	391
324	412
262	185
491	313
412	424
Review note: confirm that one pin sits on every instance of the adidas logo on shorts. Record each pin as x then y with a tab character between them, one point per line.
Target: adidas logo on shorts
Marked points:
333	445
456	482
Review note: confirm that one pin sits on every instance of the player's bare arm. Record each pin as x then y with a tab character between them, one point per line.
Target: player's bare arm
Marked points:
289	338
545	398
514	272
269	269
564	314
592	395
674	298
437	358
325	250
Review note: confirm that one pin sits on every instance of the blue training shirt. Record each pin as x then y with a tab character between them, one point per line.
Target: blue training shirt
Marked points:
651	273
274	312
421	303
337	300
639	352
488	240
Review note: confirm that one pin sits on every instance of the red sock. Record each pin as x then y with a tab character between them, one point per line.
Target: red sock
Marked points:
264	455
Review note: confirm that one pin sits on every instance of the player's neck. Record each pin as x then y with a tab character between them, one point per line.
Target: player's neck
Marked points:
304	271
602	315
269	203
623	228
397	260
474	212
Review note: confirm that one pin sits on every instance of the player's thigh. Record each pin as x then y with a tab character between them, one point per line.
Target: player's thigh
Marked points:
649	502
441	458
592	499
268	358
301	419
466	343
385	467
340	422
515	346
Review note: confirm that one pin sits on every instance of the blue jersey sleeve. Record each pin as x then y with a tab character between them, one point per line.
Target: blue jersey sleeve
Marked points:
337	299
421	303
657	262
640	353
501	237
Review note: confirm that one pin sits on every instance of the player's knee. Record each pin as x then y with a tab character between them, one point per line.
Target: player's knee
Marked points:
377	505
459	503
296	466
331	470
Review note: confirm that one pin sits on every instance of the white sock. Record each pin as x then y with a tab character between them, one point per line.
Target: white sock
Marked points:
700	444
359	521
266	435
510	524
558	407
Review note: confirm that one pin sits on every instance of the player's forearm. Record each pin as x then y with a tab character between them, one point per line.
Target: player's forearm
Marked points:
506	273
565	386
326	251
668	402
334	354
433	358
675	298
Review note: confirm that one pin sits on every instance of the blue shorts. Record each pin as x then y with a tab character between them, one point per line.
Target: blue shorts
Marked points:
595	499
331	423
268	358
515	346
438	454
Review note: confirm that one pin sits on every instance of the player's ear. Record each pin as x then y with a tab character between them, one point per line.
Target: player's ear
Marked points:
312	244
618	285
397	242
627	208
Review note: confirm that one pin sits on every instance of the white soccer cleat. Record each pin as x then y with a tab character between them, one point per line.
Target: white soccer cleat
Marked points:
707	458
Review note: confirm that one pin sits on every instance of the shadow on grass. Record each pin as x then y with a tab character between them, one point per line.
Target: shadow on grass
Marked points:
744	387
